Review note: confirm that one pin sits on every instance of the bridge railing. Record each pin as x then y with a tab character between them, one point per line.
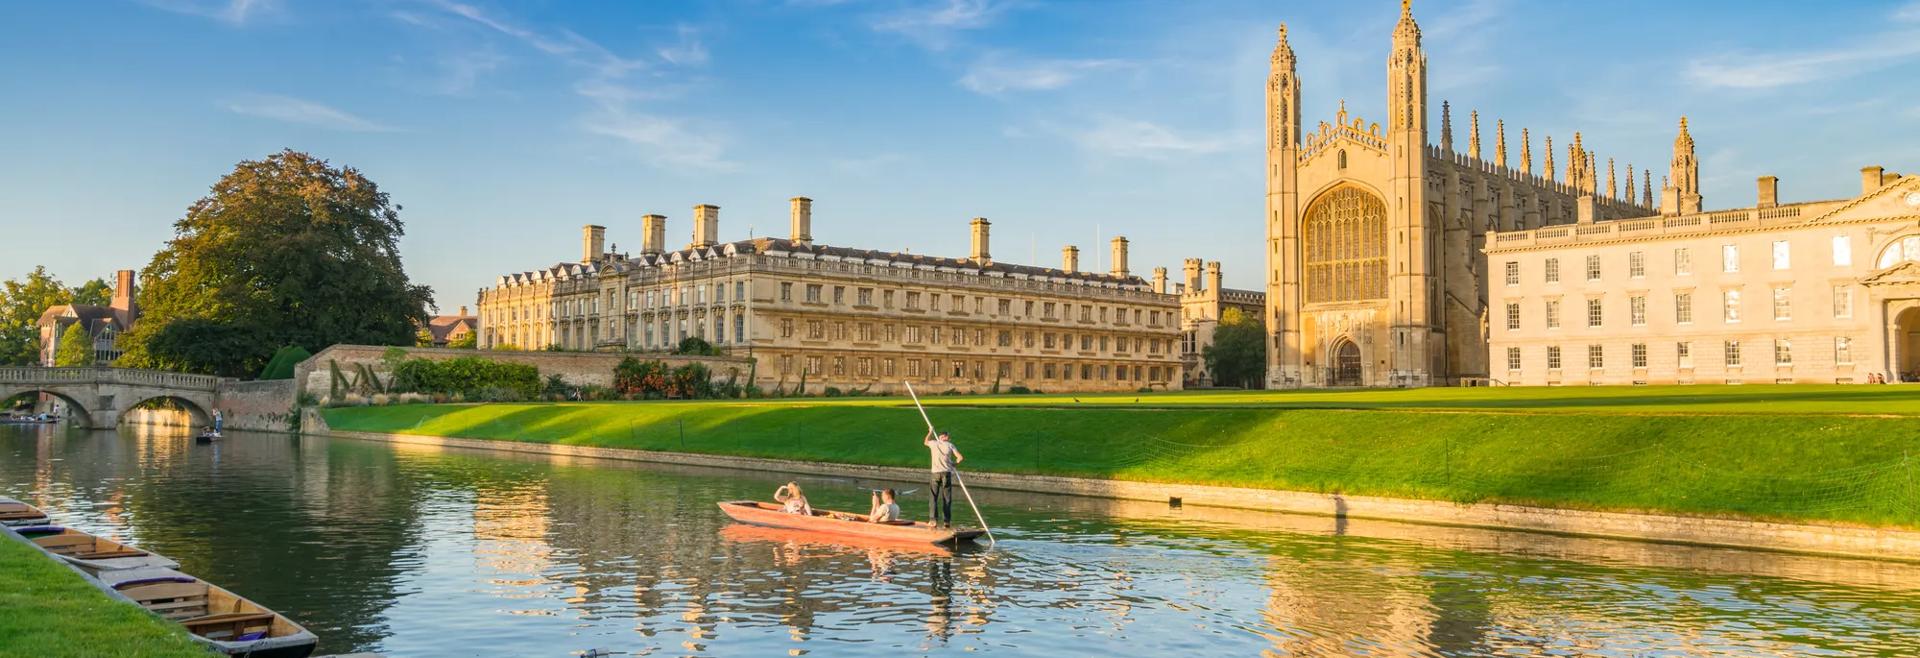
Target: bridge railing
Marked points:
105	375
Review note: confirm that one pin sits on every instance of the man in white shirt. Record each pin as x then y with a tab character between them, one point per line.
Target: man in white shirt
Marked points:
940	498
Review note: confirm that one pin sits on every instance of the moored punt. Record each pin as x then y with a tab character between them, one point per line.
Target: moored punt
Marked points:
91	553
216	617
16	513
843	524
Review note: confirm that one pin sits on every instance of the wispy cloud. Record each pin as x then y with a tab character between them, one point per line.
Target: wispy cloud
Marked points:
688	51
462	71
994	75
933	24
233	12
1135	138
298	111
605	83
1852	57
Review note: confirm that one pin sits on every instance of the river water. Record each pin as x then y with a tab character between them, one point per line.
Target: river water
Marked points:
431	552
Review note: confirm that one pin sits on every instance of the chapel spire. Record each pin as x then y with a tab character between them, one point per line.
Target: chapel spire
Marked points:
1684	174
1283	96
1500	142
1407	78
1613	191
1446	127
1646	189
1549	168
1526	152
1473	136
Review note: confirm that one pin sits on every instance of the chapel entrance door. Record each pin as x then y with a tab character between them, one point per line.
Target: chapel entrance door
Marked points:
1346	364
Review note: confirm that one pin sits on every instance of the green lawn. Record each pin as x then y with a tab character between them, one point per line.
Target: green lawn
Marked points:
1788	453
47	610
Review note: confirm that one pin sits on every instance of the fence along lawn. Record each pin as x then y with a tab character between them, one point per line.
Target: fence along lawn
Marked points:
1843	454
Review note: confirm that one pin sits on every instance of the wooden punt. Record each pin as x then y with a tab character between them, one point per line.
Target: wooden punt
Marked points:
216	617
91	553
16	513
843	524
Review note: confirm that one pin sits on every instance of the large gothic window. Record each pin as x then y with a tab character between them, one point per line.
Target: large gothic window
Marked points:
1346	241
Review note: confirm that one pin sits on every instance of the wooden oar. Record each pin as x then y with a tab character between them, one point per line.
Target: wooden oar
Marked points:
956	468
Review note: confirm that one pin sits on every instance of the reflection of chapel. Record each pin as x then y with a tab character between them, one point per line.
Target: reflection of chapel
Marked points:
1379	244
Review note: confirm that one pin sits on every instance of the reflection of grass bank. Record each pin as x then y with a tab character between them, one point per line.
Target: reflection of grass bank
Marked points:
1744	463
47	610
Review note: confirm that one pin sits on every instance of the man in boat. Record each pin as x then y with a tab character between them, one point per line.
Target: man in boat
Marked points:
940	494
884	510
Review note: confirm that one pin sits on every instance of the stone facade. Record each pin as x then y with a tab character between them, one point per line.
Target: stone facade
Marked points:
849	318
104	324
1811	292
1202	302
1375	275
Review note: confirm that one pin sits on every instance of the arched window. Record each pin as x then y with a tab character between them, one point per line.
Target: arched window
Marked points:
1346	245
1902	250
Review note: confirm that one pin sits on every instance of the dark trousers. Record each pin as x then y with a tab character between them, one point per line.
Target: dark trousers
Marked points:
940	498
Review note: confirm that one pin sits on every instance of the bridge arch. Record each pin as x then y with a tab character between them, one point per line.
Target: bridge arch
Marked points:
197	414
73	407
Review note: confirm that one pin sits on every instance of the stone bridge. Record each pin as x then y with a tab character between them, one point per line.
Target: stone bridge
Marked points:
99	397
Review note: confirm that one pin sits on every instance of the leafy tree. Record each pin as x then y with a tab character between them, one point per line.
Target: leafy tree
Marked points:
464	341
1238	355
423	338
96	292
76	348
287	250
21	303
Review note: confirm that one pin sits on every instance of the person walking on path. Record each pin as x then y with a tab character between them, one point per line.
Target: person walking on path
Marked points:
945	456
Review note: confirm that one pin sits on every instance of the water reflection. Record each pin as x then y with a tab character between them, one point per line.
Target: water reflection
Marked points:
429	552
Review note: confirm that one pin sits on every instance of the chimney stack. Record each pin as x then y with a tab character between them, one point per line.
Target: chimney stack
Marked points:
1769	191
1870	179
1120	256
1190	274
593	242
706	226
802	220
653	235
123	290
1213	277
1160	280
1070	259
979	255
463	311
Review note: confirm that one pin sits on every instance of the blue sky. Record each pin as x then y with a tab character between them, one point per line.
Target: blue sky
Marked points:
501	127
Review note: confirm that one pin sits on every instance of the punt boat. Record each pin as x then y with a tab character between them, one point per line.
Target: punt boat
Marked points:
216	617
759	513
16	513
93	554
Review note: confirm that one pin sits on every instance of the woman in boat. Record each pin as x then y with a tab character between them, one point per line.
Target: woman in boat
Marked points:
792	501
885	510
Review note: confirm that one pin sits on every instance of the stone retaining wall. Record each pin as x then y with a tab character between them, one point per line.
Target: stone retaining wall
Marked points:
579	368
1879	543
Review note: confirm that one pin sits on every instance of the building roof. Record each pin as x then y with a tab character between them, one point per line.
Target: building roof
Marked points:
621	263
92	316
443	327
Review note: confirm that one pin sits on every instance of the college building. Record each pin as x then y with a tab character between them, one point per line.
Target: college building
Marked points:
1202	303
1397	259
813	316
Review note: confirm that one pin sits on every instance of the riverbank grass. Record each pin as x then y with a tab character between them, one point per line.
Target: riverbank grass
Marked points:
1851	461
47	610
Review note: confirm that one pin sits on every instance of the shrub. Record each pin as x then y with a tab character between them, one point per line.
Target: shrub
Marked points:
469	377
283	361
696	346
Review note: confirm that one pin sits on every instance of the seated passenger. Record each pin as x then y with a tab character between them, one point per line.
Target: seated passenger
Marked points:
885	510
792	501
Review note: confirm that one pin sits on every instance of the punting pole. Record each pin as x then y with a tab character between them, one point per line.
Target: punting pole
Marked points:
956	468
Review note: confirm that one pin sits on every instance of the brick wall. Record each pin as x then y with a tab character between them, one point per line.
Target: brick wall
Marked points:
259	406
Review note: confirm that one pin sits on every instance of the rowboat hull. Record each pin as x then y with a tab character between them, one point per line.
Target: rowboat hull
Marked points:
213	616
92	554
823	523
16	513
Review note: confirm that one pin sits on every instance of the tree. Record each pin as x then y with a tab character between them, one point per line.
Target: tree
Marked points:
696	346
283	361
21	303
76	348
1238	355
464	341
287	250
96	292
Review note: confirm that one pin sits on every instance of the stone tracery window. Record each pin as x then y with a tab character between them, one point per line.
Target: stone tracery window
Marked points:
1346	247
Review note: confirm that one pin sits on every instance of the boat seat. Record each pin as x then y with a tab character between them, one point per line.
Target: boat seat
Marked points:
232	624
108	555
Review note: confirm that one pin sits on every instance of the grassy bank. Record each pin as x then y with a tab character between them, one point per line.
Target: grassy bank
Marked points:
1749	457
47	610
